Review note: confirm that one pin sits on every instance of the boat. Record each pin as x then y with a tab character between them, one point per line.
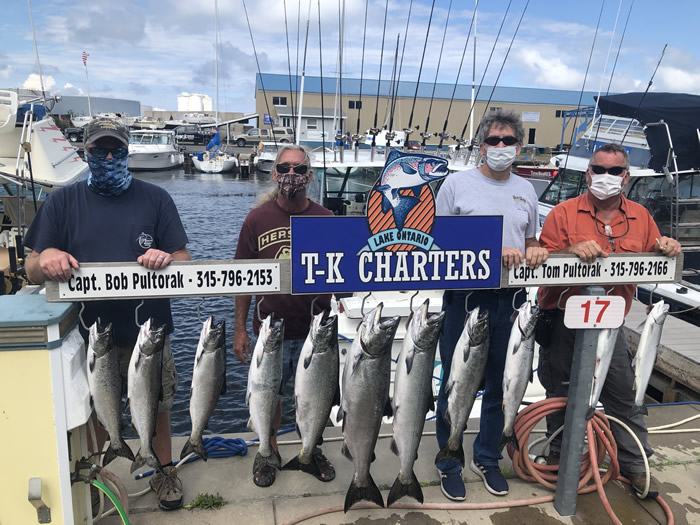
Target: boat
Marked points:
218	160
147	123
267	152
153	150
80	121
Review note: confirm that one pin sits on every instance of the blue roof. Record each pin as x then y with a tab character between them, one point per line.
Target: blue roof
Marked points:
351	86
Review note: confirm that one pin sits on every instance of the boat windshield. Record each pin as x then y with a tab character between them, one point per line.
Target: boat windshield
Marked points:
566	185
145	138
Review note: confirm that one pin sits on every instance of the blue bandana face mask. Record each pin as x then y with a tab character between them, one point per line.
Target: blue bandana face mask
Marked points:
108	177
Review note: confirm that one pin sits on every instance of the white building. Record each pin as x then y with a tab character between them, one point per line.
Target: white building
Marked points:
194	102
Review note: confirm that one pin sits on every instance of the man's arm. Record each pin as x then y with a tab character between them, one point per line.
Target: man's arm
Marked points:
241	340
535	254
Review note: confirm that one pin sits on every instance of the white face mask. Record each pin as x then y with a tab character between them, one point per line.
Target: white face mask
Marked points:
500	159
605	186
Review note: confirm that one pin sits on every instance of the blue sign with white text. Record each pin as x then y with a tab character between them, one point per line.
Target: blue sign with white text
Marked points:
268	120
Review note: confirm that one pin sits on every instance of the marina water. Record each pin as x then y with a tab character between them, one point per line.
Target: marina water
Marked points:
212	208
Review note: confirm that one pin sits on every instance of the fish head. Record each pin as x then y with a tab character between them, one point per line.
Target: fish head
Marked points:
272	333
478	326
213	335
324	332
151	338
527	318
659	312
424	327
433	168
376	333
101	338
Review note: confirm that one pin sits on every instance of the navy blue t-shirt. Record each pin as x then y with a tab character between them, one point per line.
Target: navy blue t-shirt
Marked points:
96	228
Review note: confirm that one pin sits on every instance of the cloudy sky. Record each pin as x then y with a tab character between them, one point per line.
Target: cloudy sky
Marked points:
151	50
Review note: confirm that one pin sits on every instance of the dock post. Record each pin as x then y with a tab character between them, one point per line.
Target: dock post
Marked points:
581	382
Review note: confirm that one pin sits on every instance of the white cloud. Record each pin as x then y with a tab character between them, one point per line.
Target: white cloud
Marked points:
551	71
70	89
6	71
670	78
33	82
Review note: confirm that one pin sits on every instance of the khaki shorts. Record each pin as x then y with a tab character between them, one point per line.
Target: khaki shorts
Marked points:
168	376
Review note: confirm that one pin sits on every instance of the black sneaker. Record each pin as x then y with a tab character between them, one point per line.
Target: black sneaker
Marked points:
452	486
639	481
493	480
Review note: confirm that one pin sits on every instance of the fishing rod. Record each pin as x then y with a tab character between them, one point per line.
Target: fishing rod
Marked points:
357	136
289	67
398	78
444	135
624	31
296	71
374	129
460	140
341	25
636	111
390	135
323	110
409	129
262	83
578	109
426	134
303	76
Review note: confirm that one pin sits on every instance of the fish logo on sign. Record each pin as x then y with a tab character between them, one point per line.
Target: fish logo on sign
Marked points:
401	206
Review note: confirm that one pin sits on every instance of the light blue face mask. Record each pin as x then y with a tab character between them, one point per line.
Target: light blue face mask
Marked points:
108	177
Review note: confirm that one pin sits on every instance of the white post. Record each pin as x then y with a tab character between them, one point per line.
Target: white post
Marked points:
471	120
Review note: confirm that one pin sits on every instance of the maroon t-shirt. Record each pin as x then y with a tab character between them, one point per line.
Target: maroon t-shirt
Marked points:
266	234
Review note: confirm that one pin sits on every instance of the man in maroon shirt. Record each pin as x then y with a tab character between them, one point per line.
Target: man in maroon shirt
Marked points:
265	234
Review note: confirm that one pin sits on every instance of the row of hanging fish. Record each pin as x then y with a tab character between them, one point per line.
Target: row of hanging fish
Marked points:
144	390
643	362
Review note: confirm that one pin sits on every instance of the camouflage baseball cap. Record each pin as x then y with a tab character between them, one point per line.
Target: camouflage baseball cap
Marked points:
104	127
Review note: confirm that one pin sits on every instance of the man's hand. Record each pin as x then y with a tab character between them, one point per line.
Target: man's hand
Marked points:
512	257
667	246
587	251
535	256
155	259
241	346
56	264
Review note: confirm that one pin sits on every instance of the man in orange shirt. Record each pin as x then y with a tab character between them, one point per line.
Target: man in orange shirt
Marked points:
599	222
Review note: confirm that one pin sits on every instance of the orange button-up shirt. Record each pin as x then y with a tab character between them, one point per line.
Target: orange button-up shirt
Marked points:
574	221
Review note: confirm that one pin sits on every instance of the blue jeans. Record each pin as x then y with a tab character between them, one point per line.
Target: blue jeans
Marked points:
500	307
291	351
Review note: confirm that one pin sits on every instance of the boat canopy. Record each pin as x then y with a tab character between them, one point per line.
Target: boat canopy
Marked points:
679	110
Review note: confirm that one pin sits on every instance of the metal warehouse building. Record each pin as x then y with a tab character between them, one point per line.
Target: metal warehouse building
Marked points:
540	109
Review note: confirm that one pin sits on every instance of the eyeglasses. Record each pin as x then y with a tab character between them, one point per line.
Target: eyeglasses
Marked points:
608	229
300	169
101	153
495	141
615	170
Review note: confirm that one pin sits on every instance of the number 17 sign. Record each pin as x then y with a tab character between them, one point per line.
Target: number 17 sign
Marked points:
591	311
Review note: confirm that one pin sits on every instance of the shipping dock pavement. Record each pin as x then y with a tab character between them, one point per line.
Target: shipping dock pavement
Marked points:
675	465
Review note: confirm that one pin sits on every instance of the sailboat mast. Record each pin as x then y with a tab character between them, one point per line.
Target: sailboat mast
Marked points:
303	75
216	57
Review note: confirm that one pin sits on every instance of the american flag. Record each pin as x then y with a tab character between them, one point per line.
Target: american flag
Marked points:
85	55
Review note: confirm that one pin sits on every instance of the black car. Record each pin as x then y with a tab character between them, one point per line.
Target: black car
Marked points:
193	135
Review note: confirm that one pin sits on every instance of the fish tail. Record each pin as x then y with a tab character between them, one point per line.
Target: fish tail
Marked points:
117	448
636	409
509	440
149	459
356	494
399	490
446	453
194	446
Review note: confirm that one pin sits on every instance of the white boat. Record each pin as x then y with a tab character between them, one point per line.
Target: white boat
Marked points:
217	162
147	123
80	121
267	152
198	118
153	150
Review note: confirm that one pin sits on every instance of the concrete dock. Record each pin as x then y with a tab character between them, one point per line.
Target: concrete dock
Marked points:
675	465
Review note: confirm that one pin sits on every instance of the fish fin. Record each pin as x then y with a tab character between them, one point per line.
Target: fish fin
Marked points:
407	168
465	353
307	360
531	376
293	464
431	401
417	190
410	354
393	155
446	453
509	440
345	451
514	316
386	203
91	363
149	459
638	410
336	397
448	387
388	411
356	361
399	490
250	424
138	462
447	418
259	358
393	446
194	446
374	456
117	448
340	416
247	397
356	494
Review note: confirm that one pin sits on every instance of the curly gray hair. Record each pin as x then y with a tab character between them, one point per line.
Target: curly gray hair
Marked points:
292	147
501	119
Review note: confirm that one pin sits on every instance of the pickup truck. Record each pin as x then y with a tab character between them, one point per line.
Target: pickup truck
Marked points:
255	135
193	135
